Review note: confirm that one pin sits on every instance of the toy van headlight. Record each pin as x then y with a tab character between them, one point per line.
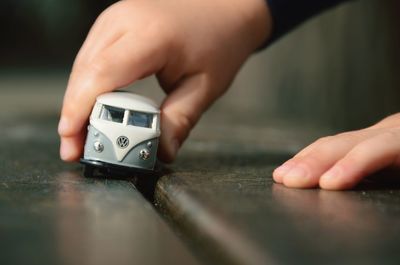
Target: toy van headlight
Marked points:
98	147
144	154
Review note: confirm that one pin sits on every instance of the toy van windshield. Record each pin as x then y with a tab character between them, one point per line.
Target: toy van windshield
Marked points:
123	133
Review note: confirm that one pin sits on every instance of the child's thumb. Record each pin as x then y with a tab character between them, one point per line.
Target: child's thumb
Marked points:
180	112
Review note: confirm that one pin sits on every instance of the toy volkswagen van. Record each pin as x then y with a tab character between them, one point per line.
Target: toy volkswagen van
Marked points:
123	133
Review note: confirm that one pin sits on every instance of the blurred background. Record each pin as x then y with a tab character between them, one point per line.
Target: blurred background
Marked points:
45	34
336	72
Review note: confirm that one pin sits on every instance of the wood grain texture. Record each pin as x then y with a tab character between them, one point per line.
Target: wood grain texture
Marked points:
227	205
51	214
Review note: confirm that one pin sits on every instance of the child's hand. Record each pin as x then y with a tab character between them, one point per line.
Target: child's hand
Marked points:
341	161
194	47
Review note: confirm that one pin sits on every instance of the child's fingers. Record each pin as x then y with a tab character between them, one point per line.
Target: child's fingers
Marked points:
105	31
304	171
118	65
340	162
352	137
71	147
100	36
367	157
181	110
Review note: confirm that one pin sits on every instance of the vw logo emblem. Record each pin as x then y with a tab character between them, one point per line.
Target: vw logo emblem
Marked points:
122	141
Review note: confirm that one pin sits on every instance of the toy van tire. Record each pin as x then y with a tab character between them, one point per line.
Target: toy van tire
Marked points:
91	166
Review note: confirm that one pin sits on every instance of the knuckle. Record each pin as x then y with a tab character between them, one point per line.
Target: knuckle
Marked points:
185	121
96	67
112	10
99	66
160	29
322	144
350	136
391	136
392	120
358	151
316	147
181	121
323	140
310	161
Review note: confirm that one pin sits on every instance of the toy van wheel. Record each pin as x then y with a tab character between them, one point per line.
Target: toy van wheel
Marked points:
88	171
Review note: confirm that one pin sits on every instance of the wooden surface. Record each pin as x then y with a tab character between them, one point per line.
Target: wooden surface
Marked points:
225	201
219	197
51	214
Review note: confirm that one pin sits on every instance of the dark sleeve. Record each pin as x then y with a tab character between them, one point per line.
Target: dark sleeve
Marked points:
287	14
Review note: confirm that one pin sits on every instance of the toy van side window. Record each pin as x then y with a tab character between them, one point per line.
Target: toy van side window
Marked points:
113	114
140	119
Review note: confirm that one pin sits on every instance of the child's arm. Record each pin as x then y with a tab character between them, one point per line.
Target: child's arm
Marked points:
194	47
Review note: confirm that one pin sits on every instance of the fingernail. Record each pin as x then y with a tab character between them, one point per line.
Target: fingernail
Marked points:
63	125
283	169
332	173
297	172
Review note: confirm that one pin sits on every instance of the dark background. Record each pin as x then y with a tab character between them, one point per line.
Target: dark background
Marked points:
45	33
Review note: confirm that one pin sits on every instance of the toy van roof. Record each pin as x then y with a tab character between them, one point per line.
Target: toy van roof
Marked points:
126	100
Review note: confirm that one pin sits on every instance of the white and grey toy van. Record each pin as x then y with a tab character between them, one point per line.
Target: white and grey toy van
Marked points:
123	132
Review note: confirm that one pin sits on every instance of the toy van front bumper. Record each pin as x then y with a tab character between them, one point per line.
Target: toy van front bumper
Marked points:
107	154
